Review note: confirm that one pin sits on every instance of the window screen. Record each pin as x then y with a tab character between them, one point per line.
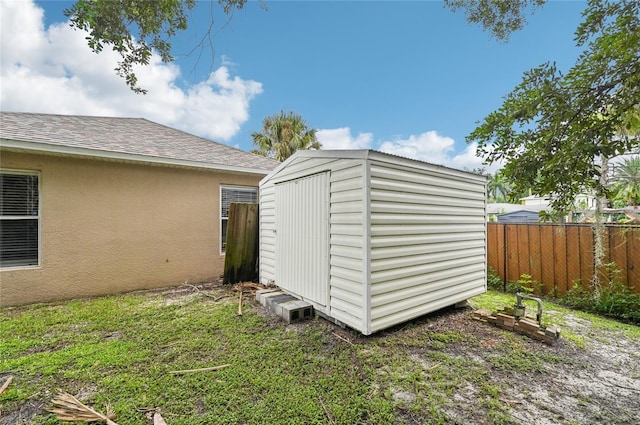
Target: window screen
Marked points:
19	219
231	194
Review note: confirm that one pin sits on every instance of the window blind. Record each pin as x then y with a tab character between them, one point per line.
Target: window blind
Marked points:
19	219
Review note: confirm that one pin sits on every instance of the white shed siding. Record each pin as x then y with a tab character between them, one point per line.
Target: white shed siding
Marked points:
267	250
427	240
301	168
346	279
302	237
346	254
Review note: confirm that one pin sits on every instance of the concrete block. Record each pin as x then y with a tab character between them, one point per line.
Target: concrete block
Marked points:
278	299
263	294
296	311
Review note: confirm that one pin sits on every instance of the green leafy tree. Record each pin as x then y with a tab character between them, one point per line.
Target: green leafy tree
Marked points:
554	128
556	131
500	17
283	134
135	28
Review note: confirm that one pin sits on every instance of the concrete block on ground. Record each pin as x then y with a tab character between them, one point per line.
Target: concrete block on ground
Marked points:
263	294
290	308
296	311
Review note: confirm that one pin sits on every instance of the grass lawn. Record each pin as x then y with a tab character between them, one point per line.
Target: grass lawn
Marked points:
120	351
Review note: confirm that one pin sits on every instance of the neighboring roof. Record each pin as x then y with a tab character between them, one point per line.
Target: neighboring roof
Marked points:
127	139
519	216
366	154
501	208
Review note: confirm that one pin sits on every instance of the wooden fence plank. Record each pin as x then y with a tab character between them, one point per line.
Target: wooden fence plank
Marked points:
586	254
496	251
618	251
573	255
523	250
535	264
633	251
547	258
559	255
493	245
501	265
512	246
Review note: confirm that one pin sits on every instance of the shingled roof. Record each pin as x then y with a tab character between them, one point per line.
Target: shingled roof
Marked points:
129	139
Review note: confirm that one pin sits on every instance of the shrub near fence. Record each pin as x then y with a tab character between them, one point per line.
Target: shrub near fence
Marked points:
558	255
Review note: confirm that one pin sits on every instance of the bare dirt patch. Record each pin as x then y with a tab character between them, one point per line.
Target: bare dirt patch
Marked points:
542	384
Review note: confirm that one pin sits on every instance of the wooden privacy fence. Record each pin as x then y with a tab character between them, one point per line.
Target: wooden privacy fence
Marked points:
557	255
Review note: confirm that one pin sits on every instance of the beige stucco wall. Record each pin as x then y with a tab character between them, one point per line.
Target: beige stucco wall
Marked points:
111	227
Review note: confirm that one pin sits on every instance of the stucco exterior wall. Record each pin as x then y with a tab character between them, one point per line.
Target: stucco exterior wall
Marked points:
112	227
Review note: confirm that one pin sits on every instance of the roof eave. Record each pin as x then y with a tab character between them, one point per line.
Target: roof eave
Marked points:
47	148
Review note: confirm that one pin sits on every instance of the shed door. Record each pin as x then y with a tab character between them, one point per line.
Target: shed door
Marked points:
302	237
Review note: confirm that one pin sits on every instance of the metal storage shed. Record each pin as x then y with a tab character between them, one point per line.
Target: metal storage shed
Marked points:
372	239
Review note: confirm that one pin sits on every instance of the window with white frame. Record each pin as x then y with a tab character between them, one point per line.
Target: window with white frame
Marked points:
19	219
229	194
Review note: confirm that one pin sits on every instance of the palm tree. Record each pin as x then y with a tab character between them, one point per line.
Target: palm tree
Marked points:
283	134
499	189
627	184
496	187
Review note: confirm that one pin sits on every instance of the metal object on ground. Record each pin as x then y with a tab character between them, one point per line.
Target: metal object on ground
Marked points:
519	308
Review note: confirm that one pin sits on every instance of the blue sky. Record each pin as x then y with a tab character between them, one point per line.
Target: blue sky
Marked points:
410	78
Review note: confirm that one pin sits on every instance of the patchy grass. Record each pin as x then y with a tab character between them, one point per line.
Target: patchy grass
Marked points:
554	313
441	369
120	350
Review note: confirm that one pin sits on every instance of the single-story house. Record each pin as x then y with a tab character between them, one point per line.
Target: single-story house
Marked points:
581	201
99	205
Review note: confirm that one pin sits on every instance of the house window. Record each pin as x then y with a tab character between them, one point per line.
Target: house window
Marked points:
19	219
229	194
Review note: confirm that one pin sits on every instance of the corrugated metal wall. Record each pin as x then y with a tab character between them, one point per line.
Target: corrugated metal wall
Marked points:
267	249
348	243
346	234
427	241
302	237
302	167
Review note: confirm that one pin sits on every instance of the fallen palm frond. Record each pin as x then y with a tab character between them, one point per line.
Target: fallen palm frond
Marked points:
70	409
203	293
6	384
158	420
342	338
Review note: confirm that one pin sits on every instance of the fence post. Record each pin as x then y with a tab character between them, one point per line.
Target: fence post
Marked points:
241	252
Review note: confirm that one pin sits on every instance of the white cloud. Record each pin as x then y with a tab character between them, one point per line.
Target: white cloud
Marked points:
436	149
428	146
341	138
468	160
52	70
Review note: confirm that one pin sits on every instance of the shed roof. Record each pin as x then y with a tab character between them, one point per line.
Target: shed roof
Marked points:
127	139
370	154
